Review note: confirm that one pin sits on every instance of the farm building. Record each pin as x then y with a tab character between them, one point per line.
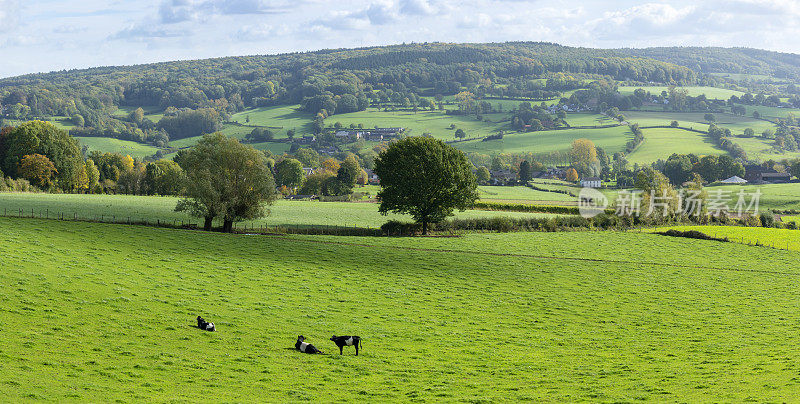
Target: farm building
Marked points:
372	178
502	177
734	180
592	182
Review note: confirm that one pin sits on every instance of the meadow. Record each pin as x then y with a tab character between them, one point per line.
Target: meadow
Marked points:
157	208
100	313
786	239
521	194
109	145
761	149
611	139
660	143
693	91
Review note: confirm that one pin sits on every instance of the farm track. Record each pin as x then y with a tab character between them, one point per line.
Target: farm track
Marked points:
534	256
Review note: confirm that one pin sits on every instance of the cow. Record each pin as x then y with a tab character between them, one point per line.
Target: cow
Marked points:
342	341
305	347
205	325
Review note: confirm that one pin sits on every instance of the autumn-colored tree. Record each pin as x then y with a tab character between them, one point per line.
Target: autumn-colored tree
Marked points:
572	175
37	169
92	174
82	182
583	152
330	164
127	162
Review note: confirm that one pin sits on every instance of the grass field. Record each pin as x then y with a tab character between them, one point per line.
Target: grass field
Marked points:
99	313
151	208
280	118
110	145
520	194
759	148
777	238
694	91
661	143
611	139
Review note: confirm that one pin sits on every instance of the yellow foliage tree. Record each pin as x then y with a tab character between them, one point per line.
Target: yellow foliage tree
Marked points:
37	169
583	152
572	175
330	164
127	162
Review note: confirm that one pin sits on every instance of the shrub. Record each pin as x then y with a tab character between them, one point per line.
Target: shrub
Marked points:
767	219
398	228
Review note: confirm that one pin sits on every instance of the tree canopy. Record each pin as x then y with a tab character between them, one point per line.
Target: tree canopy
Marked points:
424	178
225	179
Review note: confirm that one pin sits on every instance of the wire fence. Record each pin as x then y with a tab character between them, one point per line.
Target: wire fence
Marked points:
239	228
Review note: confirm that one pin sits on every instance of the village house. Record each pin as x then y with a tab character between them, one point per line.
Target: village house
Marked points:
502	177
758	174
592	182
372	178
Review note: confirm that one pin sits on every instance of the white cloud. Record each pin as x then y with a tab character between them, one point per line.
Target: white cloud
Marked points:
9	15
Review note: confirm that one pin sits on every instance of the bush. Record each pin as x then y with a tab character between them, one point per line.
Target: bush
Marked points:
691	234
398	228
767	219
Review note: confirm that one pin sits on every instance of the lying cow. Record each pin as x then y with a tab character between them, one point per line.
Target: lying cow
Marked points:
305	347
342	341
205	325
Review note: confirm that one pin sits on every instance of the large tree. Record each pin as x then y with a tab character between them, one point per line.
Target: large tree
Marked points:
37	137
225	179
289	173
425	178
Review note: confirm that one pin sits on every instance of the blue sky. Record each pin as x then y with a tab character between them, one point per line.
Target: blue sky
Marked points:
45	35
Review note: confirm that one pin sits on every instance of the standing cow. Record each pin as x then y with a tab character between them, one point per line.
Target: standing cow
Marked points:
305	347
350	340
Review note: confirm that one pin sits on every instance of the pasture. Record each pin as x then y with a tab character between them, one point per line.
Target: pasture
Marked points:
694	91
522	194
660	143
611	139
759	148
99	313
109	145
154	208
778	238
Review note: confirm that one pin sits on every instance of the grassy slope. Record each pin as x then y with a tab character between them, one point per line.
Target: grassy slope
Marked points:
694	91
294	213
778	238
520	194
611	139
102	312
661	143
106	144
761	149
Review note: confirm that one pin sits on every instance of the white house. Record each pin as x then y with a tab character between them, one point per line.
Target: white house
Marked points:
592	182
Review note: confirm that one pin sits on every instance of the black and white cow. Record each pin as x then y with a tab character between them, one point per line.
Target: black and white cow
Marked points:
350	340
305	347
205	325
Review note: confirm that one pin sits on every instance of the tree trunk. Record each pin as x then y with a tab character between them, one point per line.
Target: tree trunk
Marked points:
227	226
207	224
424	227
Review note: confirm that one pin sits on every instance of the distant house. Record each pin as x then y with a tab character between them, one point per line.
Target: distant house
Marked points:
775	178
734	180
306	139
758	174
297	197
308	171
592	182
348	135
372	178
501	177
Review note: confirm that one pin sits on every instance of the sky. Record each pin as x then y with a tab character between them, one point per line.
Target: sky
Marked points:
47	35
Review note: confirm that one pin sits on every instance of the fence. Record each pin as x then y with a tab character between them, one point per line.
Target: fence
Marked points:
240	228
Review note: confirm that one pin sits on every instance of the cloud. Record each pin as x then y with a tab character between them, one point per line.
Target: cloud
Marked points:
9	15
253	33
145	32
417	7
377	13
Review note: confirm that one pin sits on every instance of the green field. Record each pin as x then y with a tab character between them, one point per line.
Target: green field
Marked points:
280	118
151	209
694	91
520	194
758	148
100	313
611	139
661	143
105	144
777	238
